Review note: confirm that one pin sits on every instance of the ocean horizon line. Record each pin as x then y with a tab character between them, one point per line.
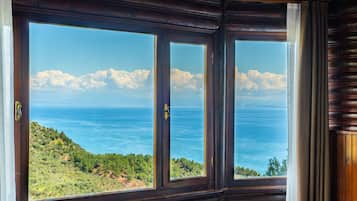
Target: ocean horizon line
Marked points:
143	107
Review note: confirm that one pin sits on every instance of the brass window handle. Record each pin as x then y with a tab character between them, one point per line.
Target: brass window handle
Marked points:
18	110
166	111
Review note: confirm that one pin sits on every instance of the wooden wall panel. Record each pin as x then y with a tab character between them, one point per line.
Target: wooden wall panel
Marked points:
195	15
340	166
346	175
343	99
254	16
354	167
348	167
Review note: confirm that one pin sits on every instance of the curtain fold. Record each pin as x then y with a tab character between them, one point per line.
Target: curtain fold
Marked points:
310	122
7	147
293	38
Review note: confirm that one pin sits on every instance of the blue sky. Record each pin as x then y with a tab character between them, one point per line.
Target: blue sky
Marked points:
72	66
267	56
261	68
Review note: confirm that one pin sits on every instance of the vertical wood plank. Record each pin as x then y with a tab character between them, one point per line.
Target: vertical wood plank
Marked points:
340	167
348	168
354	167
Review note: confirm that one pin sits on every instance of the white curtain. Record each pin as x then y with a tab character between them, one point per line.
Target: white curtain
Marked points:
7	147
293	29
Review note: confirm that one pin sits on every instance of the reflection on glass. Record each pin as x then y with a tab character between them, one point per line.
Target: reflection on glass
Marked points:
91	111
261	122
187	155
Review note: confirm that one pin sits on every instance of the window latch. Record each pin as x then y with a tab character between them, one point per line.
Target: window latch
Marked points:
18	110
166	111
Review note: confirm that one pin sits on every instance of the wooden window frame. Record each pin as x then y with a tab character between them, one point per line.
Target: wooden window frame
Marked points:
162	189
220	182
251	183
206	180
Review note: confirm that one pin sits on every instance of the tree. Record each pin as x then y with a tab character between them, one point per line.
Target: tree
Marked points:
275	168
245	171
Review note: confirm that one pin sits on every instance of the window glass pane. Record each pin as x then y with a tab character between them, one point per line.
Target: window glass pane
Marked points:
187	155
91	111
261	121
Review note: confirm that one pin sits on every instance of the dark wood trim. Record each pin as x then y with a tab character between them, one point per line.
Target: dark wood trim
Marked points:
166	123
179	7
218	71
271	193
268	1
254	16
258	35
93	14
159	80
229	104
21	93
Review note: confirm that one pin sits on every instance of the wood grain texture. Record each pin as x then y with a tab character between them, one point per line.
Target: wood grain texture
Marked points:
343	70
252	16
342	57
197	15
346	160
21	93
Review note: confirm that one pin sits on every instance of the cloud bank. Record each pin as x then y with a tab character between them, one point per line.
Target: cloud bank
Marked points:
56	79
253	80
182	80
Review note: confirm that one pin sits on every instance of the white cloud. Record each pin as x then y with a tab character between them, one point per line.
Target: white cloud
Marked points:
56	79
183	80
131	80
255	80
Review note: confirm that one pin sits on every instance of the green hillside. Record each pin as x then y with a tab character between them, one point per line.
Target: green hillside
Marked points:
58	167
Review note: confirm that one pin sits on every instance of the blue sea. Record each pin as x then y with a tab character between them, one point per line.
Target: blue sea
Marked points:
261	133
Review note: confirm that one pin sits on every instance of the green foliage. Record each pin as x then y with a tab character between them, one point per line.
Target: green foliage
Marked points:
183	167
59	167
275	168
242	171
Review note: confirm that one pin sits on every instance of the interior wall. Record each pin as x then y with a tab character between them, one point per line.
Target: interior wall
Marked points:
343	99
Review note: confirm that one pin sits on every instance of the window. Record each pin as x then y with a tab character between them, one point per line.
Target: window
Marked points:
128	109
188	130
91	111
257	130
260	117
187	109
110	111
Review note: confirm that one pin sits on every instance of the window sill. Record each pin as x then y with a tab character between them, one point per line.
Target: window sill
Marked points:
187	194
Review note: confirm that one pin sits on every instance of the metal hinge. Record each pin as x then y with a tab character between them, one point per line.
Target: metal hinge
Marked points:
18	110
